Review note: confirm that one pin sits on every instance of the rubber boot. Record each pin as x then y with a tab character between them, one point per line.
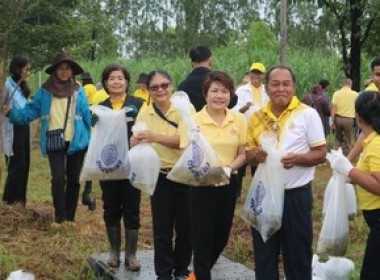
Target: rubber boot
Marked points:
87	198
114	238
131	261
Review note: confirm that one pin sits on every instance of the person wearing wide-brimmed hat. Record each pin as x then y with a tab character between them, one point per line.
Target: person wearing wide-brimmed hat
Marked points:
58	101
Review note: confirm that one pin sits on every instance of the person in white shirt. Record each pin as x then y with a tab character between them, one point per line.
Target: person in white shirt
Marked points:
252	96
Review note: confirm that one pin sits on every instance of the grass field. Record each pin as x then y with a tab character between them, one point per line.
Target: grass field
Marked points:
27	242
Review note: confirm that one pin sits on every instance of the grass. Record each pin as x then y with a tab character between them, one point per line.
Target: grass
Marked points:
27	242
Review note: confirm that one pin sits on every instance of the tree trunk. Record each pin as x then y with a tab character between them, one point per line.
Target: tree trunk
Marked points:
283	31
355	60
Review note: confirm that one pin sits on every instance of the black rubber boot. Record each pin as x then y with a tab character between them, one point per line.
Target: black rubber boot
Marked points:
87	198
131	261
114	238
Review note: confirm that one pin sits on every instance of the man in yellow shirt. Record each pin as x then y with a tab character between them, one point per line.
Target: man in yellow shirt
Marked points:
343	115
300	135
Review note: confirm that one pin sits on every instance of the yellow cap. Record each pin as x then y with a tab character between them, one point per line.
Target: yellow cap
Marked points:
257	67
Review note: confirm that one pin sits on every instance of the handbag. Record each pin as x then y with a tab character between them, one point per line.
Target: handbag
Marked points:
55	141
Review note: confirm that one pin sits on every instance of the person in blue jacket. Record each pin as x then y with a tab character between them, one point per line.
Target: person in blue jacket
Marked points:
58	95
16	138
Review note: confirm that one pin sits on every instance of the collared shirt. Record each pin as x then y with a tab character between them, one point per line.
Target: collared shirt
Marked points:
143	94
246	94
226	138
100	96
117	105
344	100
369	162
90	91
373	87
298	129
156	124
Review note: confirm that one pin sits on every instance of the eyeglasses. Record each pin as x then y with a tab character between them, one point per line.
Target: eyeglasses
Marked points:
157	87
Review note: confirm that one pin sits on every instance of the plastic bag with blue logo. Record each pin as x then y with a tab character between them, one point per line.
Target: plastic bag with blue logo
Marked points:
106	157
199	164
264	204
144	164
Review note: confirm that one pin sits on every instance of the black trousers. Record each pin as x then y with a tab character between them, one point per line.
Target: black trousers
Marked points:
371	268
121	199
170	211
211	211
18	166
65	170
294	239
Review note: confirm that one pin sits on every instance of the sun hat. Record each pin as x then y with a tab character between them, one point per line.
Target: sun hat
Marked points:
64	57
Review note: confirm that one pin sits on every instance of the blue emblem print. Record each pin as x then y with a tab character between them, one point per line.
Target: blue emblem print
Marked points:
109	154
109	161
196	165
197	155
258	198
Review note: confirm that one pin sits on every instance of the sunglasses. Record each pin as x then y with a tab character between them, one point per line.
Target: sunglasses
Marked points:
157	87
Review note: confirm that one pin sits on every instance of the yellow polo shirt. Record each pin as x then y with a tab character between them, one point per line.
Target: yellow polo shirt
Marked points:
143	94
99	97
257	94
90	91
225	138
369	162
298	129
344	100
118	104
156	124
58	110
372	87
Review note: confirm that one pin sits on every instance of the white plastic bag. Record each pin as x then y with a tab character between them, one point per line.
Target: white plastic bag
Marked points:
181	102
351	198
333	238
106	157
264	204
20	275
144	164
336	268
199	164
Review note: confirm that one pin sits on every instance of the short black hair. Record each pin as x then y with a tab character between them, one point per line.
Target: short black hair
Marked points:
375	62
324	83
367	106
200	54
267	75
114	67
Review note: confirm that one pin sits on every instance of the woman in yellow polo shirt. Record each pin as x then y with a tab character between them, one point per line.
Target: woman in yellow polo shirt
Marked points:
367	177
212	207
170	201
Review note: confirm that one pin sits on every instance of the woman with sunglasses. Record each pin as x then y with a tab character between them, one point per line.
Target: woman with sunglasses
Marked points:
16	137
169	203
212	207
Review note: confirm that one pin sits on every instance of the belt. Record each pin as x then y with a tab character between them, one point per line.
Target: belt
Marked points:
165	170
299	189
344	117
